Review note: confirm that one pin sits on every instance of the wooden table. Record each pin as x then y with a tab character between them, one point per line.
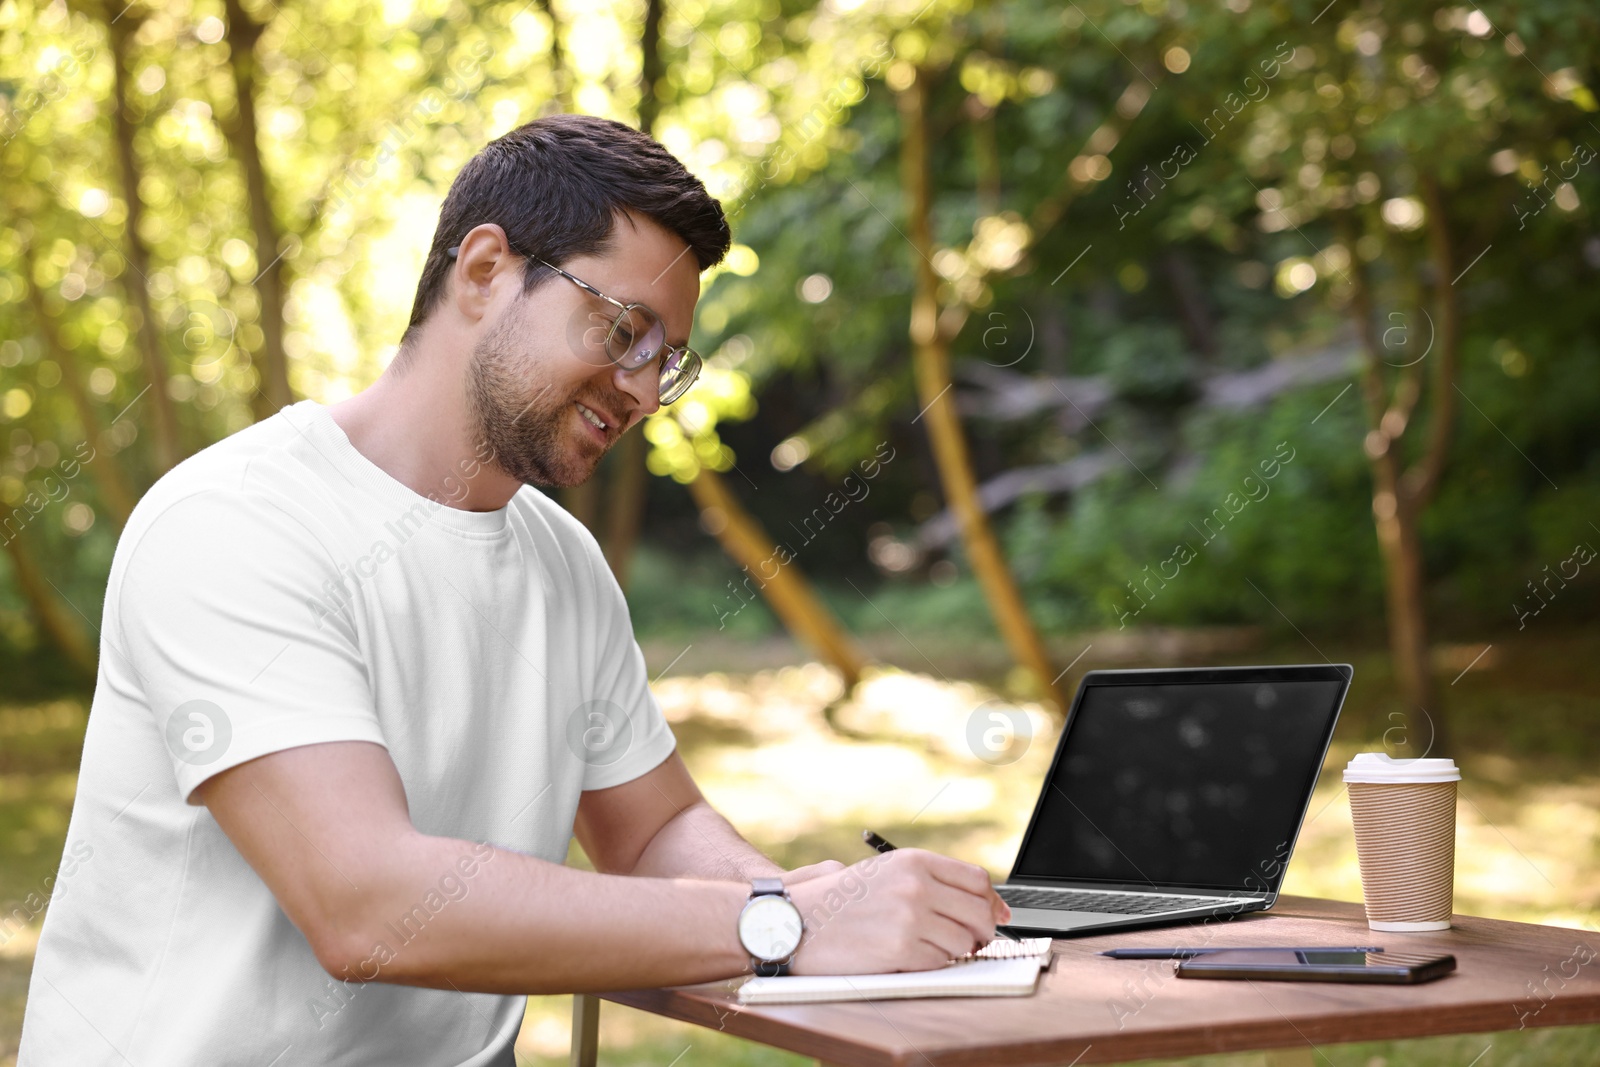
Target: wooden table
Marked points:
1089	1009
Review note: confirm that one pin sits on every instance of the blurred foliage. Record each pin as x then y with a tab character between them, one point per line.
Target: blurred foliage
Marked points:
1217	170
1205	238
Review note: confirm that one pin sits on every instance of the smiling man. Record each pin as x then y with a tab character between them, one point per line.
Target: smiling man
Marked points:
361	683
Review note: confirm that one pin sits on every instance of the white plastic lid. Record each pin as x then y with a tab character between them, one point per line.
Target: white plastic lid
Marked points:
1381	768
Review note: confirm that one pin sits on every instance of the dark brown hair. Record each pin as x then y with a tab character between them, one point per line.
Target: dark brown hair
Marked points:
555	185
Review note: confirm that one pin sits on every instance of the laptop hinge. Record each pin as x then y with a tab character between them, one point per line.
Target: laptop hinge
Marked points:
1127	887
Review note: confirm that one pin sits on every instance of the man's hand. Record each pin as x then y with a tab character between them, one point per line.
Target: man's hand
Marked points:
810	871
906	910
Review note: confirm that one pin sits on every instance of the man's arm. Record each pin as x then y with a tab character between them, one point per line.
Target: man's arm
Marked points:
660	825
327	829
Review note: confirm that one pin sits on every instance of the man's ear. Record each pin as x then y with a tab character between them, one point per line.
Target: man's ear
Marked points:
483	263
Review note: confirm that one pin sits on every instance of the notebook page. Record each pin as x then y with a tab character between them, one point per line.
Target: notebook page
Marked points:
978	978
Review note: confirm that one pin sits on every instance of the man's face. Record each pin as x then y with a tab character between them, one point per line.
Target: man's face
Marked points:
541	363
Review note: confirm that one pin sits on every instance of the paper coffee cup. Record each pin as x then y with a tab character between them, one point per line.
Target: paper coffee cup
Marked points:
1404	813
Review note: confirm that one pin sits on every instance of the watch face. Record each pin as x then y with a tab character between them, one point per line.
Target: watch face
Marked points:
769	927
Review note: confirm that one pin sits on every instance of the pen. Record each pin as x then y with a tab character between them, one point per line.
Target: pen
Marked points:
876	842
1190	953
880	843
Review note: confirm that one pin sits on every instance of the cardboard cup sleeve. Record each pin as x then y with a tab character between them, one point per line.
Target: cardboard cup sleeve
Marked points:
1406	840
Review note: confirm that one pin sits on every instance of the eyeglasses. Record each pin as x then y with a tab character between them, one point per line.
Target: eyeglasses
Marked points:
635	338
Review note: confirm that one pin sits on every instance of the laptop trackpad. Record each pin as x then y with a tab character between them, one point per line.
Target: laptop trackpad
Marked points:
1051	919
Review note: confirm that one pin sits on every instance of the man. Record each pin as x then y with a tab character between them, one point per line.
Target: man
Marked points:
344	729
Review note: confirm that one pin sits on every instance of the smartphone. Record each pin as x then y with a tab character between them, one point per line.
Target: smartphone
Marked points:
1290	965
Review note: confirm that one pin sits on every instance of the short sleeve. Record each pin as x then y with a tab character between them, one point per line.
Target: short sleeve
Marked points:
625	732
233	621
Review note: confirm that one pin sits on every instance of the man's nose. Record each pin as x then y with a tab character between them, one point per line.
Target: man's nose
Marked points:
643	385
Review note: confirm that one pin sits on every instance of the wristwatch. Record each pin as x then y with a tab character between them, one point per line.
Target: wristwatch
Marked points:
770	927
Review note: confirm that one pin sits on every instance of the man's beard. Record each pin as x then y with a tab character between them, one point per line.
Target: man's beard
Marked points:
530	437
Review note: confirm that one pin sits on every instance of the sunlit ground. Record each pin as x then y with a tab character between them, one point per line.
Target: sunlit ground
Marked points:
897	758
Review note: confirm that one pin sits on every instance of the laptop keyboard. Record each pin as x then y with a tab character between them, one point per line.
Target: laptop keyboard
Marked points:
1108	903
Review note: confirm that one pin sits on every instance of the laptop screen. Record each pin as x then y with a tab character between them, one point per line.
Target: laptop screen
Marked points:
1183	782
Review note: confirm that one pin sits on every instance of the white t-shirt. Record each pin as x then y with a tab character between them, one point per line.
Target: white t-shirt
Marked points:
278	589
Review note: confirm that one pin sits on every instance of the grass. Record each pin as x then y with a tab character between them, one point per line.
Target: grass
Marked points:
1524	731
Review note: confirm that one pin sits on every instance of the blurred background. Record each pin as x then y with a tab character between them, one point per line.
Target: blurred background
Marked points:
1055	336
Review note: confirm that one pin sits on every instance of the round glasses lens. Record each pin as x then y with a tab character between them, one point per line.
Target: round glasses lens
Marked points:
637	337
681	369
591	343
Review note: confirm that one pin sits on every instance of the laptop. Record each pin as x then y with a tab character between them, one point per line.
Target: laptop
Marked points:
1174	795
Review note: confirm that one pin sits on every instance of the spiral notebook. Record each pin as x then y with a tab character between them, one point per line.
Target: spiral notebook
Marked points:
1002	968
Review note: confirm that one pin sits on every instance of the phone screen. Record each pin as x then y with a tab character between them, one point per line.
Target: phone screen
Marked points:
1283	957
1344	959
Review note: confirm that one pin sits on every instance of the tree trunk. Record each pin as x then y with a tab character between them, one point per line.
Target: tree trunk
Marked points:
104	468
559	75
931	362
583	500
47	605
629	485
1401	547
166	450
1398	501
1422	481
652	67
271	361
1193	314
787	591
